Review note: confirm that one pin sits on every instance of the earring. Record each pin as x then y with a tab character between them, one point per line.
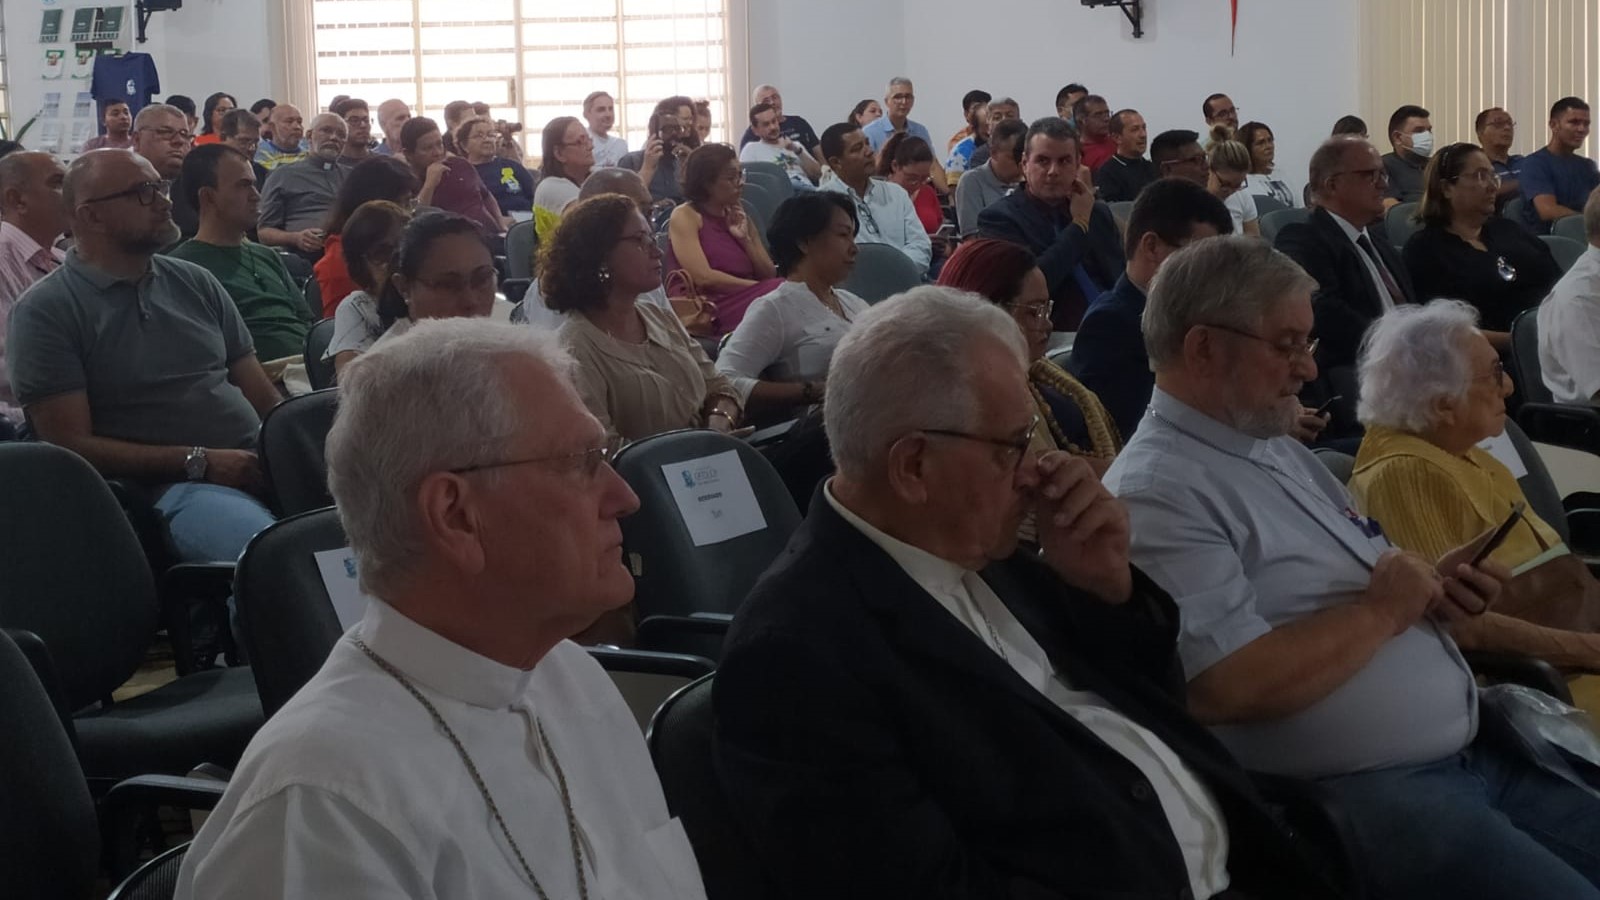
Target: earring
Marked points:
605	275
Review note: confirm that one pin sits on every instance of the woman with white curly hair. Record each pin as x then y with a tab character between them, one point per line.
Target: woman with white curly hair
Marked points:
1432	389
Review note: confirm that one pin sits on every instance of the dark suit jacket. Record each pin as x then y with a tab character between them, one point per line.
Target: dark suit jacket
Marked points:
1346	302
872	747
1060	246
1108	355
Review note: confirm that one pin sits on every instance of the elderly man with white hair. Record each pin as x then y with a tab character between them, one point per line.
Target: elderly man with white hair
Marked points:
790	128
299	195
1432	390
1312	646
455	743
931	711
1569	322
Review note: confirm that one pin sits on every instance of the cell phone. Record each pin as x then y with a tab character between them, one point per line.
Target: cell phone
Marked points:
1326	407
1500	534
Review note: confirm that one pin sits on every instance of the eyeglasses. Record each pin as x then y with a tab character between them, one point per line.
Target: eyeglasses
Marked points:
1485	177
864	213
1227	111
588	461
1039	311
645	242
146	191
170	134
358	121
1289	351
1500	123
583	139
1015	445
1378	176
903	97
477	279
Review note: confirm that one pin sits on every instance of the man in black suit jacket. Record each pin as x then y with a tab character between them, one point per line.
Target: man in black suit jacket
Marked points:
909	707
1108	355
1076	239
1337	246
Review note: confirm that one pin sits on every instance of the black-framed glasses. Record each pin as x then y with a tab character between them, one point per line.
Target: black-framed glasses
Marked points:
146	191
478	278
1288	351
1017	446
588	461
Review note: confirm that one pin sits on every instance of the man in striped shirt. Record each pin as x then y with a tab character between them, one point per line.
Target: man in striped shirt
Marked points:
31	220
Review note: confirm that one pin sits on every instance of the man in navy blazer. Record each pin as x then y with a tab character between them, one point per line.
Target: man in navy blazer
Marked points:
909	706
1343	245
1108	353
1055	215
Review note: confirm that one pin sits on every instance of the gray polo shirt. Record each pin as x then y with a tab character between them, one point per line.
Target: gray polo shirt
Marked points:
974	192
1251	535
300	195
151	355
1406	177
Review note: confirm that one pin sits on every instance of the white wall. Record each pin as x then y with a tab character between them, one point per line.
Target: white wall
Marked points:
824	55
207	46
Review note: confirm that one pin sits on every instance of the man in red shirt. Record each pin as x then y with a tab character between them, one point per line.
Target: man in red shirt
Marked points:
1094	122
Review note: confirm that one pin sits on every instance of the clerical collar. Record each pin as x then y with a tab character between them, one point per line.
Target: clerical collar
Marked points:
438	663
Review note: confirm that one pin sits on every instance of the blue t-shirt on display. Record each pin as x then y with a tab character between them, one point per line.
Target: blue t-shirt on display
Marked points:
1570	178
130	78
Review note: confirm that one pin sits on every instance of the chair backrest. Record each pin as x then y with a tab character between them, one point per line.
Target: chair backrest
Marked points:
681	741
673	576
291	446
318	370
1266	203
780	187
1397	221
1341	465
880	272
287	623
298	266
313	291
1564	249
155	880
72	569
770	170
521	242
1121	210
1273	222
49	841
647	679
1513	210
1525	357
1571	228
1544	498
758	216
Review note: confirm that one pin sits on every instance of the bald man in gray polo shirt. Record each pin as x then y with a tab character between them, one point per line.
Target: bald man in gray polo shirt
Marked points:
1312	646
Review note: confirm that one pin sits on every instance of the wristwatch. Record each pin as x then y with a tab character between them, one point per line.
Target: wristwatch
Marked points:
194	465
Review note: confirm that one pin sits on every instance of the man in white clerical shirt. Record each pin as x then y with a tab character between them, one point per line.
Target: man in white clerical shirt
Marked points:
455	744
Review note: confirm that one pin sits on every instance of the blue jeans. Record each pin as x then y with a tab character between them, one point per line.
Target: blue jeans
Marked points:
1483	824
209	522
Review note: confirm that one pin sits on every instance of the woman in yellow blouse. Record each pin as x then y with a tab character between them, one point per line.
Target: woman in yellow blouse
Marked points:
639	372
1432	388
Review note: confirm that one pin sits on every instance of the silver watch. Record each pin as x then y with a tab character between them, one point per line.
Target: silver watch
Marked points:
194	465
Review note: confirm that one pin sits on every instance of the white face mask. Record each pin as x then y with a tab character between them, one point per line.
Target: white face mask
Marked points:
1422	144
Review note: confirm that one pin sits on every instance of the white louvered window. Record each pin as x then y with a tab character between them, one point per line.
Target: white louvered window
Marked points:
1458	57
530	60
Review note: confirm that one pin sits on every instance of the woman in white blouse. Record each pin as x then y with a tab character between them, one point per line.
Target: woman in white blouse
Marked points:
1230	166
777	358
1263	181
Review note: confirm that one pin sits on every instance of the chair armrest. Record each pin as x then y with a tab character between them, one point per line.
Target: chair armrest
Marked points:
38	656
1512	668
771	434
1563	424
132	802
1584	525
700	634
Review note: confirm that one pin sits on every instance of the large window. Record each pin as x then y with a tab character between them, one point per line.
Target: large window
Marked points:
1457	57
530	60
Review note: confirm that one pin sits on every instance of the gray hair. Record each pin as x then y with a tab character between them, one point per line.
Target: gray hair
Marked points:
433	399
1411	357
899	80
1004	101
755	95
879	380
327	117
1591	217
1232	280
155	110
1329	158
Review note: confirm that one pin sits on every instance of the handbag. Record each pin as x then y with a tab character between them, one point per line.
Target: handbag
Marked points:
698	315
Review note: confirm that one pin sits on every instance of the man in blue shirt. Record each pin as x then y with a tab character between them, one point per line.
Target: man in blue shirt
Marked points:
1556	181
897	103
1108	355
1496	133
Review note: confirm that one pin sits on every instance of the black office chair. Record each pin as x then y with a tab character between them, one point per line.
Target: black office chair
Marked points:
672	576
75	576
299	267
312	288
319	371
1579	528
681	740
286	620
646	679
50	835
156	879
293	437
522	248
1575	425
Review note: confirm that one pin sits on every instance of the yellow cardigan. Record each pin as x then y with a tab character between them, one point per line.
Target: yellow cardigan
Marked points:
1430	501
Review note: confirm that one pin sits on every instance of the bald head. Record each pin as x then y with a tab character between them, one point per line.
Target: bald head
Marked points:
393	114
104	195
30	194
288	126
617	181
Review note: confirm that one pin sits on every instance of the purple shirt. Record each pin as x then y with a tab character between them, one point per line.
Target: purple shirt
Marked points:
462	192
22	262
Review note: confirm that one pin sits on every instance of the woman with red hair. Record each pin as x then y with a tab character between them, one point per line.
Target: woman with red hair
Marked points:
1007	275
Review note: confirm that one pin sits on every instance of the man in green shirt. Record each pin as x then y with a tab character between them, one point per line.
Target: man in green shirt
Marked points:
222	186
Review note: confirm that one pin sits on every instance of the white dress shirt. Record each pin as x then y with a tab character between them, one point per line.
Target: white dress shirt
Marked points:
1355	234
351	791
609	149
1569	332
888	217
787	335
1192	812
